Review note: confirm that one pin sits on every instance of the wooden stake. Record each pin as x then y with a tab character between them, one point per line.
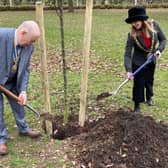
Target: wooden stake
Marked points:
86	50
40	20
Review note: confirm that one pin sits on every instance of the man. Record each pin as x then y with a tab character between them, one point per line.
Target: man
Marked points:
16	47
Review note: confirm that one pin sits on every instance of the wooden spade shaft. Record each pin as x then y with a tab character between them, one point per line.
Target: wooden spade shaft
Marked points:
17	99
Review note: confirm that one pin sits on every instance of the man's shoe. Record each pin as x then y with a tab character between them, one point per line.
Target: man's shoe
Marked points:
150	102
3	149
31	134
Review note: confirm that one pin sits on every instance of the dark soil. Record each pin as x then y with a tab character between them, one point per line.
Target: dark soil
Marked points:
119	139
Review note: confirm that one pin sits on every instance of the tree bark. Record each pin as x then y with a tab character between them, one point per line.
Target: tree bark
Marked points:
60	14
106	2
77	3
71	7
83	2
10	2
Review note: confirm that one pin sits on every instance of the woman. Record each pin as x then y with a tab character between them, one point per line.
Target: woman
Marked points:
142	42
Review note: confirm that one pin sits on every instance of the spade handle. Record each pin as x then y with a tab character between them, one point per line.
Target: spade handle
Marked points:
17	99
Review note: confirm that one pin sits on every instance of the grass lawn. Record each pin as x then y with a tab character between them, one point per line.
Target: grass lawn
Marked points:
109	33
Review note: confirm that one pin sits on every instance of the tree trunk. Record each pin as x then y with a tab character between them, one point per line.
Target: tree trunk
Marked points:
77	3
97	2
44	2
110	1
106	2
83	2
60	14
71	7
10	2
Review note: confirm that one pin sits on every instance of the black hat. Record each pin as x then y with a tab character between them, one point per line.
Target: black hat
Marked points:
136	14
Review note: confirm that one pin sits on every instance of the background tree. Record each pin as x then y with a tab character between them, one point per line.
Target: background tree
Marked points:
71	6
83	2
10	2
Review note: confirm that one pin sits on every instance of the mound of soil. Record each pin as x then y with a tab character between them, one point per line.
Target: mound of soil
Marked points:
124	140
119	139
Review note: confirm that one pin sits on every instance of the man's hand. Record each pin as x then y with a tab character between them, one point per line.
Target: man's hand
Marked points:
23	98
130	75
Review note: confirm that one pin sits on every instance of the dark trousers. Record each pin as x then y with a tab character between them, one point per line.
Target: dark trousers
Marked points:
143	83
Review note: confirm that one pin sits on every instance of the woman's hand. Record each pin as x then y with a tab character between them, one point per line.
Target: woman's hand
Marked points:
130	75
158	54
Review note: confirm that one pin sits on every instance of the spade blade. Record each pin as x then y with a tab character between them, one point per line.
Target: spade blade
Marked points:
103	95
